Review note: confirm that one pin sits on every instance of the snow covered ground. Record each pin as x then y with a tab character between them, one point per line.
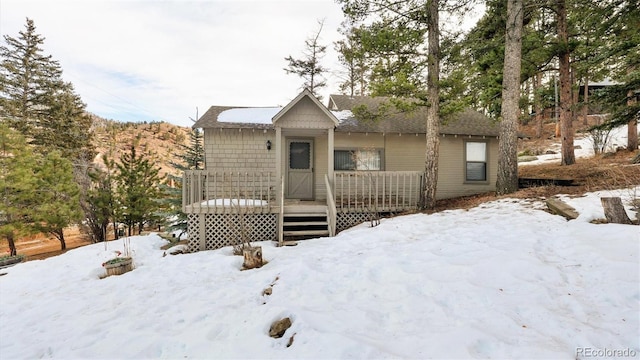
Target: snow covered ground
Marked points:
502	280
584	147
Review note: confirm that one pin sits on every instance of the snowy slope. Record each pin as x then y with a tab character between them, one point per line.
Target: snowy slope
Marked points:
584	147
503	280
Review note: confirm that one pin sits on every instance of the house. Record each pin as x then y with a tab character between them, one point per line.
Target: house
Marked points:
306	169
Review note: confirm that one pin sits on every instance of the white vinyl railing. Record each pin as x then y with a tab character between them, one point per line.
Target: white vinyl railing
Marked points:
218	192
379	191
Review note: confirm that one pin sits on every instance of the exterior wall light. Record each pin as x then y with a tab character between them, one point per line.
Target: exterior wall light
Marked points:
268	144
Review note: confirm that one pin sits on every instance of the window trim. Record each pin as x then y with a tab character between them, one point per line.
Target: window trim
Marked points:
486	162
379	150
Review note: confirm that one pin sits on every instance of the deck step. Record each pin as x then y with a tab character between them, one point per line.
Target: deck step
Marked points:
305	214
305	223
308	209
306	232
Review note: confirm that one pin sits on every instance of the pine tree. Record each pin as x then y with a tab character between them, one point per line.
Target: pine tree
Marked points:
191	157
66	126
622	29
58	196
28	76
18	184
352	57
398	58
36	101
507	180
98	201
309	67
138	189
410	20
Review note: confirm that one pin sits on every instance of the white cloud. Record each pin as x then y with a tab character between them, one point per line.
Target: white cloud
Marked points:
147	60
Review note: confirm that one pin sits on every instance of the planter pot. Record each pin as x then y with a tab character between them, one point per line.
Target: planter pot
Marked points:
118	266
7	261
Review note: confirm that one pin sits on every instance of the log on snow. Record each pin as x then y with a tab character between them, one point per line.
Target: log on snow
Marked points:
561	208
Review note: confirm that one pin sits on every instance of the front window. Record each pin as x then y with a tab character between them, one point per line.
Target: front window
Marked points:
357	159
476	161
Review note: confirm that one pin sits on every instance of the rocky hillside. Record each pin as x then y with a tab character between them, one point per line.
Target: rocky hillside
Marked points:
158	139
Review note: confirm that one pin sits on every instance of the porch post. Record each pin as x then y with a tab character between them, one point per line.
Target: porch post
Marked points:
278	162
330	155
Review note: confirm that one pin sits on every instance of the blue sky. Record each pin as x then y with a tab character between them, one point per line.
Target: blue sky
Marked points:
159	60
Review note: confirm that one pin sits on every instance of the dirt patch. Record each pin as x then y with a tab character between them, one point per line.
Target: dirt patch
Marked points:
40	246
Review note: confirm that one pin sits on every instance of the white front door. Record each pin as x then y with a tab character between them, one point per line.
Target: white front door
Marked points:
299	169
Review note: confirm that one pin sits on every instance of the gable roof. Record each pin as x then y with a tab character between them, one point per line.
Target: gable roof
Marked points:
240	117
467	122
306	93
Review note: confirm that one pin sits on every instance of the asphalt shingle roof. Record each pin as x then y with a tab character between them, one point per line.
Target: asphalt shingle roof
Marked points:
468	122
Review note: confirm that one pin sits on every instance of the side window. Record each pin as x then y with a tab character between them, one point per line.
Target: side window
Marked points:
355	159
475	161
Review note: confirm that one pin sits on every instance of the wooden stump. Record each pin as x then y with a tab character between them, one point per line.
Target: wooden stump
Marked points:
614	211
252	257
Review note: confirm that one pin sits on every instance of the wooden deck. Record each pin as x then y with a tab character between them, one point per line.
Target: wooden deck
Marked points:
224	207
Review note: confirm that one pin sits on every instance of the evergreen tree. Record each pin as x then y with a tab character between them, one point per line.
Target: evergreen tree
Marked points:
410	20
622	29
28	76
58	197
309	67
66	127
353	59
191	157
98	201
37	102
138	189
18	184
507	179
398	58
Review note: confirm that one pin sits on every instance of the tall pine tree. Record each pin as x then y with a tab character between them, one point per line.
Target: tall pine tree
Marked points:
138	189
190	157
58	197
37	102
309	67
18	185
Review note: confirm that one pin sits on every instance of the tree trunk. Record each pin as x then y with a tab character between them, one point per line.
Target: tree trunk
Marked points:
585	102
12	245
115	230
537	105
632	126
433	112
566	126
507	181
60	235
614	211
632	135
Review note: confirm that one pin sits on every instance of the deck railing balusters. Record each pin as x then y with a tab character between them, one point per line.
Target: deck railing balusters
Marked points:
361	191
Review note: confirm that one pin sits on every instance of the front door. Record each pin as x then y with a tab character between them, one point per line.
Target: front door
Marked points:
299	169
